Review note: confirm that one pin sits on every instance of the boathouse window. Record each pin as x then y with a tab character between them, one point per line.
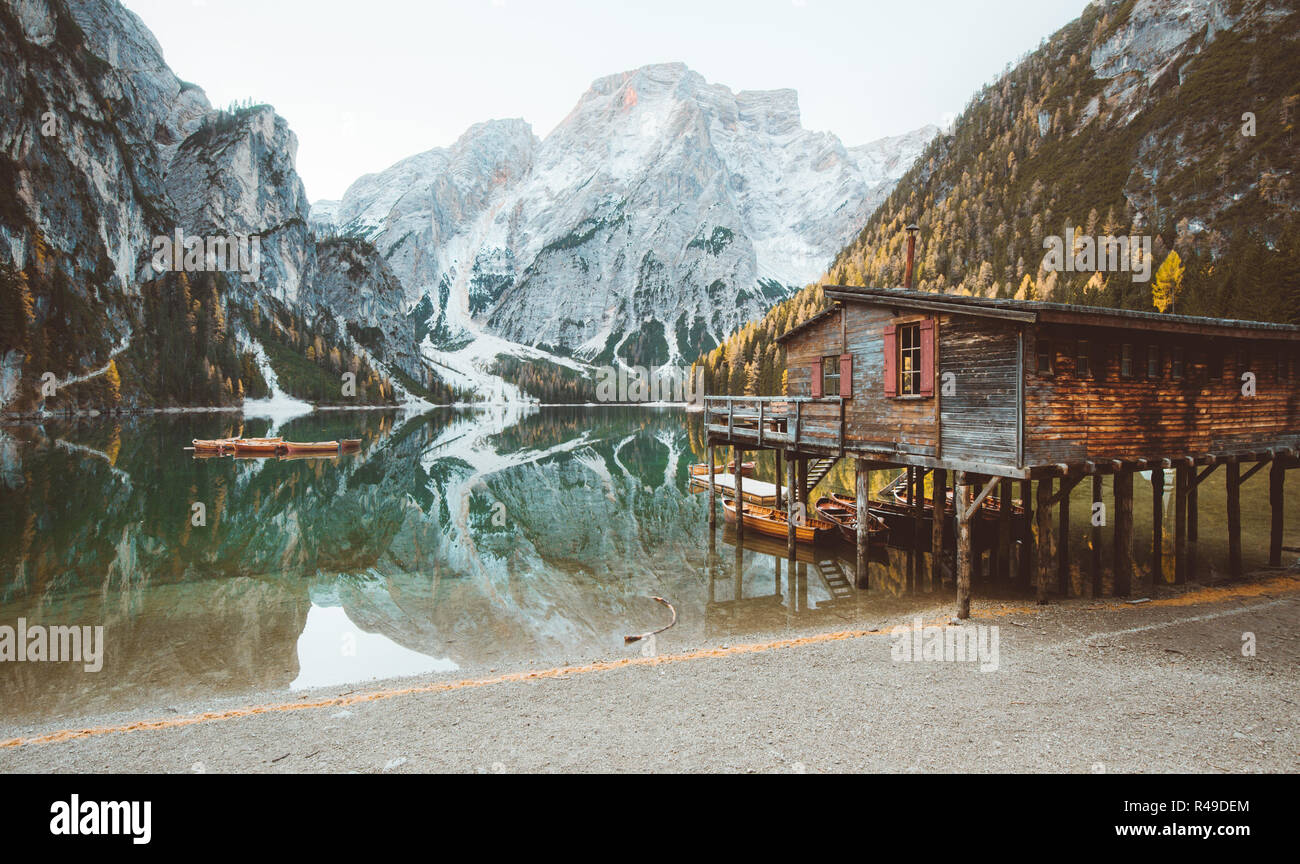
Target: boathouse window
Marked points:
831	375
909	359
1126	360
1045	357
1153	362
1081	366
1176	363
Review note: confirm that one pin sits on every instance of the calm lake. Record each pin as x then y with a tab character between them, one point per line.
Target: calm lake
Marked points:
454	540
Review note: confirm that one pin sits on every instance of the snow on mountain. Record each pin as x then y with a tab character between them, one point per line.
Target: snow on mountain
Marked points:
659	215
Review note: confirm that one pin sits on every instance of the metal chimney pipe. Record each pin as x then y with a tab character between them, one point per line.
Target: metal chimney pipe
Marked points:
911	254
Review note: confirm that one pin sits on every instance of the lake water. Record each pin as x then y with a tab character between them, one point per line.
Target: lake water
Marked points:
456	540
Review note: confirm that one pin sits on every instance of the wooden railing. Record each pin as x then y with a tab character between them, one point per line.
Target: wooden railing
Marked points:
778	420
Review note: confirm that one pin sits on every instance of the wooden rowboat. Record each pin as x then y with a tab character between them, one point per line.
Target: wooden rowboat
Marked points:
772	522
212	445
844	516
350	444
265	446
309	446
700	469
989	507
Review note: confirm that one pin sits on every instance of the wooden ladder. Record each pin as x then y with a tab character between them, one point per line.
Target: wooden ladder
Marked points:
837	582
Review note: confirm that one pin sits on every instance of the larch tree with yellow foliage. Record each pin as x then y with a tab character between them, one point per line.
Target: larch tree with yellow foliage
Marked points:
1168	283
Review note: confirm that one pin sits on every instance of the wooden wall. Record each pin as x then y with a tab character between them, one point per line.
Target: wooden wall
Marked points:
979	417
907	424
1107	417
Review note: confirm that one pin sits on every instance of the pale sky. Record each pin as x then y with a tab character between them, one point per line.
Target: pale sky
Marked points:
364	84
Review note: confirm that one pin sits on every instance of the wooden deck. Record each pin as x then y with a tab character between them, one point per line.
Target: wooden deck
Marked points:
753	491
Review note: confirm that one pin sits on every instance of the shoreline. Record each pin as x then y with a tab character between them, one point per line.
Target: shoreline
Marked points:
1178	650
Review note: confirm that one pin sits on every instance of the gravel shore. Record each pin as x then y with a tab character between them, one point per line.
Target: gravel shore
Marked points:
1080	686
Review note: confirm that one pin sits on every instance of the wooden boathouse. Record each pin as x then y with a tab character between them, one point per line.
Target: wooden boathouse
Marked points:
999	394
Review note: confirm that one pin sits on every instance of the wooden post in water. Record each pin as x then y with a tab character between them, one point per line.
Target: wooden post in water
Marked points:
963	548
936	526
1042	535
738	472
791	499
1180	523
713	492
780	492
861	486
1063	541
1234	519
1095	569
1276	477
1026	534
803	488
1157	528
1123	492
1004	530
1193	524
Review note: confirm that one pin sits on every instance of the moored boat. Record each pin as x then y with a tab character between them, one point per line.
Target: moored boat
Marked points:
264	446
350	444
844	516
772	522
309	446
700	469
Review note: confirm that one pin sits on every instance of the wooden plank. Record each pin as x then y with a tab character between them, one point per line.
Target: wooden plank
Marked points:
1093	520
739	456
1234	520
940	499
963	549
713	494
1181	483
1063	538
1157	529
1123	492
863	491
1276	478
791	504
1042	535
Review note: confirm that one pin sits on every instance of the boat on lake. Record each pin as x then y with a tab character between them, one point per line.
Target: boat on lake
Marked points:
843	514
773	522
701	469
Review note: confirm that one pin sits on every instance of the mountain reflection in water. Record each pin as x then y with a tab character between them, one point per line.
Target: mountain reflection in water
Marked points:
453	540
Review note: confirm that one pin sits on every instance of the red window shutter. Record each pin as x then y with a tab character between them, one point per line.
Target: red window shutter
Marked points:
846	375
891	355
816	391
927	357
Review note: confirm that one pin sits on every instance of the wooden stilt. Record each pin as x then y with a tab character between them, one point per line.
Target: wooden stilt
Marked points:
1042	537
963	548
1157	528
1193	524
936	526
1004	530
1023	568
780	490
713	493
1093	519
739	473
1276	477
1180	523
791	503
1234	520
1123	491
803	488
861	486
919	540
1063	541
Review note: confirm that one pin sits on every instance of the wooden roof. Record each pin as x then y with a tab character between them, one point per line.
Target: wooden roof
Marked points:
1034	311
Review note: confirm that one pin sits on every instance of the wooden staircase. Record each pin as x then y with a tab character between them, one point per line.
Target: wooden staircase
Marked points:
818	469
837	581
